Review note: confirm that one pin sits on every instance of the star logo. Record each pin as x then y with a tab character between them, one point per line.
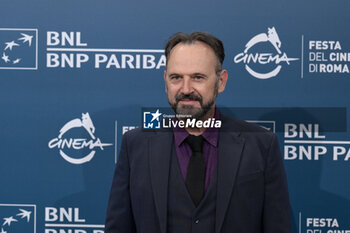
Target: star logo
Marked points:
17	61
156	115
17	218
26	38
24	214
9	45
5	58
9	220
151	119
18	49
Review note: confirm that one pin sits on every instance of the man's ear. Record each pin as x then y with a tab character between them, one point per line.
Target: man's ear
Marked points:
166	89
222	81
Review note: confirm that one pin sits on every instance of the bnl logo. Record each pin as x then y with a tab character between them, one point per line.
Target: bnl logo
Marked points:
151	120
17	218
18	49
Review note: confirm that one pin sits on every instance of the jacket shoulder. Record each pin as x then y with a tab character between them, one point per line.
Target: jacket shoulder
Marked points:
242	126
252	133
139	136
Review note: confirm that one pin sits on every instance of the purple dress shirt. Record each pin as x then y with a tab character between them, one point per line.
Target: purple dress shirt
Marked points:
210	150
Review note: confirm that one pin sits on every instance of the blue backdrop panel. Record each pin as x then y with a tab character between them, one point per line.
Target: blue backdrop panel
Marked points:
75	75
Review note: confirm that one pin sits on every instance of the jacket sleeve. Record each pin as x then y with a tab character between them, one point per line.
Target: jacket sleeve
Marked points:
119	217
277	214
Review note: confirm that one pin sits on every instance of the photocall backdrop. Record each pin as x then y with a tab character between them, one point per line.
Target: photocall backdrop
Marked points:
75	76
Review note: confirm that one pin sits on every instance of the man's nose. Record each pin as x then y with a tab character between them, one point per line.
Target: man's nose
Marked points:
187	86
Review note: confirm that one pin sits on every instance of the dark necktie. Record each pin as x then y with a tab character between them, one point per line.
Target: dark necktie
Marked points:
196	169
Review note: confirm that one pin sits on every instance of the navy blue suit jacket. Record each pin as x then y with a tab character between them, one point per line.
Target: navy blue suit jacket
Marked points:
252	194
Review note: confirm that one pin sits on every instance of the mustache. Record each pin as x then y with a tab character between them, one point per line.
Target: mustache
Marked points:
191	96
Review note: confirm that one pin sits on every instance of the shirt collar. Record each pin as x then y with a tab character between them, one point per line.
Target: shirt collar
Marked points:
211	135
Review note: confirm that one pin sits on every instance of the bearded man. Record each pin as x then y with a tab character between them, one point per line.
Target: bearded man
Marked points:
195	179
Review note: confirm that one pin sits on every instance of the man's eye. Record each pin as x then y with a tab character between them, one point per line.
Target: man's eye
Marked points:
197	77
175	77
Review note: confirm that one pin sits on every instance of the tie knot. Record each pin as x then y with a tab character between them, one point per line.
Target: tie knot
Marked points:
195	142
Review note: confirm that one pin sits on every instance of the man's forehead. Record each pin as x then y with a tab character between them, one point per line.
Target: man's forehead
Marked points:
196	45
197	55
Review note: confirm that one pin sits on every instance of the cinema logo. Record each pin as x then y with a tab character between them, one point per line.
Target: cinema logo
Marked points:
251	58
68	220
305	142
69	50
158	120
77	144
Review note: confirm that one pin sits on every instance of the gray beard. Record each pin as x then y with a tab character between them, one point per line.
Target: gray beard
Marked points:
195	113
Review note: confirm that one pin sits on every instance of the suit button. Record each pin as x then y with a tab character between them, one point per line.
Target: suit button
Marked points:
197	221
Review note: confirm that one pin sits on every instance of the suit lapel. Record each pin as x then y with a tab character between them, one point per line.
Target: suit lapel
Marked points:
229	155
160	147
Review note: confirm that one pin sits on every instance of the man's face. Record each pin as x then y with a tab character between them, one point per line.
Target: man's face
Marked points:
191	81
